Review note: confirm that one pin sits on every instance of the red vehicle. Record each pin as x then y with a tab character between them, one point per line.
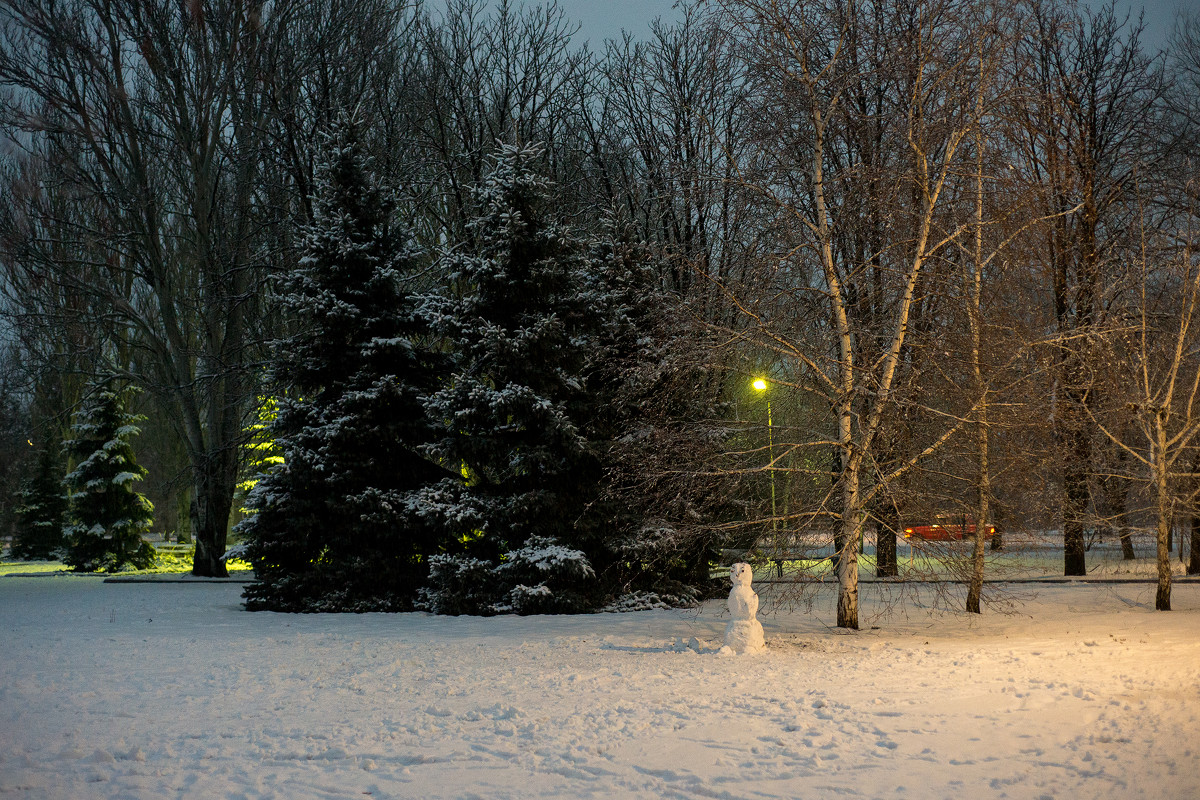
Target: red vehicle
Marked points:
947	528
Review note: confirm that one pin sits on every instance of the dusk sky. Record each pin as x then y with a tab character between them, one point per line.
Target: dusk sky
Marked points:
604	19
1160	16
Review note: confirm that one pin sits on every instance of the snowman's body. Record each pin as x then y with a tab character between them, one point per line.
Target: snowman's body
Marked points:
744	633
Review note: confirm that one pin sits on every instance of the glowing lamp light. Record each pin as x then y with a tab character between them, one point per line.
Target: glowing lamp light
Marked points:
759	384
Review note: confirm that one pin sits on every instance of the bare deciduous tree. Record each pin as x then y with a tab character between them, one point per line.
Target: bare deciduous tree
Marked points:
807	60
148	121
1161	348
1089	128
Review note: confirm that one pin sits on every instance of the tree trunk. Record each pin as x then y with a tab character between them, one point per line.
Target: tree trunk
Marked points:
1162	597
1158	458
183	515
886	526
835	475
1076	496
847	567
847	571
214	481
1193	567
1074	547
1127	552
983	511
975	315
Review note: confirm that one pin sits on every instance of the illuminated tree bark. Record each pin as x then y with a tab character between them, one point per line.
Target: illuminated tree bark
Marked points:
805	57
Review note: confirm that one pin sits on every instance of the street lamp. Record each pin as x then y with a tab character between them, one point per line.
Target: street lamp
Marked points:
760	385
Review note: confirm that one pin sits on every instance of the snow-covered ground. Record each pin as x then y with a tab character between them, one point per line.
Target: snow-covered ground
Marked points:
111	690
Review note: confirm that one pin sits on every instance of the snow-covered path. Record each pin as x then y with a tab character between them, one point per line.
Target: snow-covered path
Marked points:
172	691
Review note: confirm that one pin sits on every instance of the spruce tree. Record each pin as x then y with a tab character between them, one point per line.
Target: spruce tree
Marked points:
346	523
41	509
563	371
107	515
520	335
650	531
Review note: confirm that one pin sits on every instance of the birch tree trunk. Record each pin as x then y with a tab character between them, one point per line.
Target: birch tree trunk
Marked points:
979	384
1164	514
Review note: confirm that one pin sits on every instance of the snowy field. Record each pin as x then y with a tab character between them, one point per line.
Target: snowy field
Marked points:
118	690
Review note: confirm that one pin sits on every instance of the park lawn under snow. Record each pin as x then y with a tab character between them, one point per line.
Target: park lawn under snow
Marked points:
171	690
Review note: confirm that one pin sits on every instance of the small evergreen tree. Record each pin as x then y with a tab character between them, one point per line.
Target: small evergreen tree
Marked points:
107	515
346	522
41	509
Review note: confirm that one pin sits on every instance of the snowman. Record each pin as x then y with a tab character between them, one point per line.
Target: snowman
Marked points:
744	633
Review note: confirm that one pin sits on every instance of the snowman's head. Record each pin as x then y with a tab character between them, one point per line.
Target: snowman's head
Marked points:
741	574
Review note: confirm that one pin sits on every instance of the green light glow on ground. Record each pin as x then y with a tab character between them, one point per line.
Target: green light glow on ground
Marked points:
31	567
167	564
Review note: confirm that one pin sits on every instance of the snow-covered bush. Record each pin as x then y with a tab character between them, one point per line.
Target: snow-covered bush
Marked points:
546	578
647	601
459	585
541	577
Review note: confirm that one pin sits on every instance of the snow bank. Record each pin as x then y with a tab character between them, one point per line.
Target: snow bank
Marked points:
171	690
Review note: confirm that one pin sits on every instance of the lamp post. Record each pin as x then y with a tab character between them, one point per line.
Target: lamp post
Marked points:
760	385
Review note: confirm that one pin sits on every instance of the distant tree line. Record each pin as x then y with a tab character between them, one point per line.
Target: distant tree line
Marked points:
955	238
